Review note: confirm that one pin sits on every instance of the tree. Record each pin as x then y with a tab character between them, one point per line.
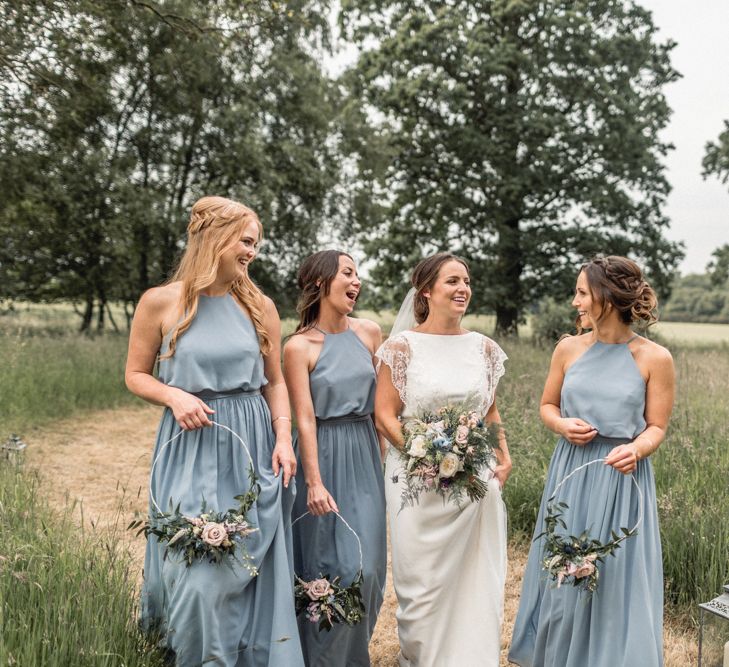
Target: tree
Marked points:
521	134
117	115
718	268
716	160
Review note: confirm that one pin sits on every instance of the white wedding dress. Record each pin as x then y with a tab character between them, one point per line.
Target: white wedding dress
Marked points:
448	564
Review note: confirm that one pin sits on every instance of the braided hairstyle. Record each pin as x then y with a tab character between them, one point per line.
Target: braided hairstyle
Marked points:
216	223
618	282
424	276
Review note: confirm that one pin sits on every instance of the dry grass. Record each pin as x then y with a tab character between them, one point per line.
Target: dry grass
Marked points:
102	459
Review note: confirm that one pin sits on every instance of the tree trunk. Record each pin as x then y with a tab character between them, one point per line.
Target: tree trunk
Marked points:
87	315
509	267
100	319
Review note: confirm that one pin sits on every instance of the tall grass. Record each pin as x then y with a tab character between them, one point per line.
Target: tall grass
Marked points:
45	378
49	372
691	466
67	596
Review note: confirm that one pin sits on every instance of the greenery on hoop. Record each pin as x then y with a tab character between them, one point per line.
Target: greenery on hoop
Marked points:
210	535
327	603
573	559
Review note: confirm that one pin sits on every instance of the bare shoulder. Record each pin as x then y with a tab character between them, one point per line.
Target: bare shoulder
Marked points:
569	345
297	344
653	353
269	306
161	299
369	327
368	331
569	349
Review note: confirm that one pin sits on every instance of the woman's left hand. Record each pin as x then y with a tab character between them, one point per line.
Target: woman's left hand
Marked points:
624	458
502	472
284	459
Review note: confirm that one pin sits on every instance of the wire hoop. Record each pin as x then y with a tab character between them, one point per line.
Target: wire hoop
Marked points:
351	530
173	438
589	463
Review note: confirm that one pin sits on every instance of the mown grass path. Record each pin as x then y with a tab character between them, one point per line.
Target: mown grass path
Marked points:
101	461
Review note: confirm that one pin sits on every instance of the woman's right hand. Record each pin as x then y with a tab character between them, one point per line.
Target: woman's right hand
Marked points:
189	411
576	431
320	501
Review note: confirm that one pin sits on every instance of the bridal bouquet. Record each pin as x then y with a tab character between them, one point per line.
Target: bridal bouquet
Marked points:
445	452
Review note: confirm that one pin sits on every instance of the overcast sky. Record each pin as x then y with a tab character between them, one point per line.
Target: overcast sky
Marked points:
698	208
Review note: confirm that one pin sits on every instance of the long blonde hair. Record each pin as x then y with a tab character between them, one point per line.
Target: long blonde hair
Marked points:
215	224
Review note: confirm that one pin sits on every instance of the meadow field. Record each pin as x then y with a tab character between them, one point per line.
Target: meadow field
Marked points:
51	376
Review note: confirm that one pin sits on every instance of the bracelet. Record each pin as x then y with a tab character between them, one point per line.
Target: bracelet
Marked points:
648	440
275	419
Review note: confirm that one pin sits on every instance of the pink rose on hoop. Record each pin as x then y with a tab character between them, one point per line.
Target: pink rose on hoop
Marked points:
213	534
318	588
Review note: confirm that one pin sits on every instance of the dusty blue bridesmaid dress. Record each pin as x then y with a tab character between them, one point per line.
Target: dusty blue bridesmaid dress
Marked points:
622	624
342	389
207	613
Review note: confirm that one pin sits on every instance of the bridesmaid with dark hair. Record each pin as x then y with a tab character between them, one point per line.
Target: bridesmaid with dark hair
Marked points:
608	395
329	370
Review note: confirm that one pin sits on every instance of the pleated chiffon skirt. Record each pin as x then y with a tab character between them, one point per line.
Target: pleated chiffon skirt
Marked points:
351	470
622	623
214	614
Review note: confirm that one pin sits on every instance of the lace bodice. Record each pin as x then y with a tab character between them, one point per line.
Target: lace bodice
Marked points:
430	370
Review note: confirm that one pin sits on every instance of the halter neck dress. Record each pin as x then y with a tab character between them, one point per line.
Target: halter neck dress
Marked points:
342	388
622	623
211	613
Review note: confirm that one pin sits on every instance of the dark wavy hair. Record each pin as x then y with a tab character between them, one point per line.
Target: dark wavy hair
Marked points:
619	281
315	280
424	276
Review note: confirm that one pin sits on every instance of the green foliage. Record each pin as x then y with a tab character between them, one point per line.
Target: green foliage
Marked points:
697	298
67	595
48	373
718	268
135	110
340	604
521	135
716	160
552	321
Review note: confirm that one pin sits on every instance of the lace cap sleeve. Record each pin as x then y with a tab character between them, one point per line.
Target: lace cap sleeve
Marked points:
395	353
494	358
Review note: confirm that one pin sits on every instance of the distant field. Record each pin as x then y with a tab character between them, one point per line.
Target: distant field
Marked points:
694	333
58	319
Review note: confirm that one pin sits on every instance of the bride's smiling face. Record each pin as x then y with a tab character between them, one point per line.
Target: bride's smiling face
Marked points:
451	291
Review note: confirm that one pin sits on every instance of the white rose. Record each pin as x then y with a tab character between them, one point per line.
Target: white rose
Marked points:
417	447
449	465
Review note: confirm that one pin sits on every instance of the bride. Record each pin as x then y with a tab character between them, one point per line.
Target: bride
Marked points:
448	563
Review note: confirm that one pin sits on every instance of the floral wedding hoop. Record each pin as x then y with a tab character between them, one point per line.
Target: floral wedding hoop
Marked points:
324	600
573	559
211	535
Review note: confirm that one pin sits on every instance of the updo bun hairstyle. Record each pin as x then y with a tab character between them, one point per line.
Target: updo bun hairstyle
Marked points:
618	282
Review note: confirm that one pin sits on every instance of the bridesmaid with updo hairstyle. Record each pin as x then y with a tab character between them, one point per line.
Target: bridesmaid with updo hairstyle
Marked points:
608	396
330	374
218	341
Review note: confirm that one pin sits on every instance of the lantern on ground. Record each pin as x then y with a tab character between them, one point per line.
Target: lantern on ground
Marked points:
12	447
714	631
